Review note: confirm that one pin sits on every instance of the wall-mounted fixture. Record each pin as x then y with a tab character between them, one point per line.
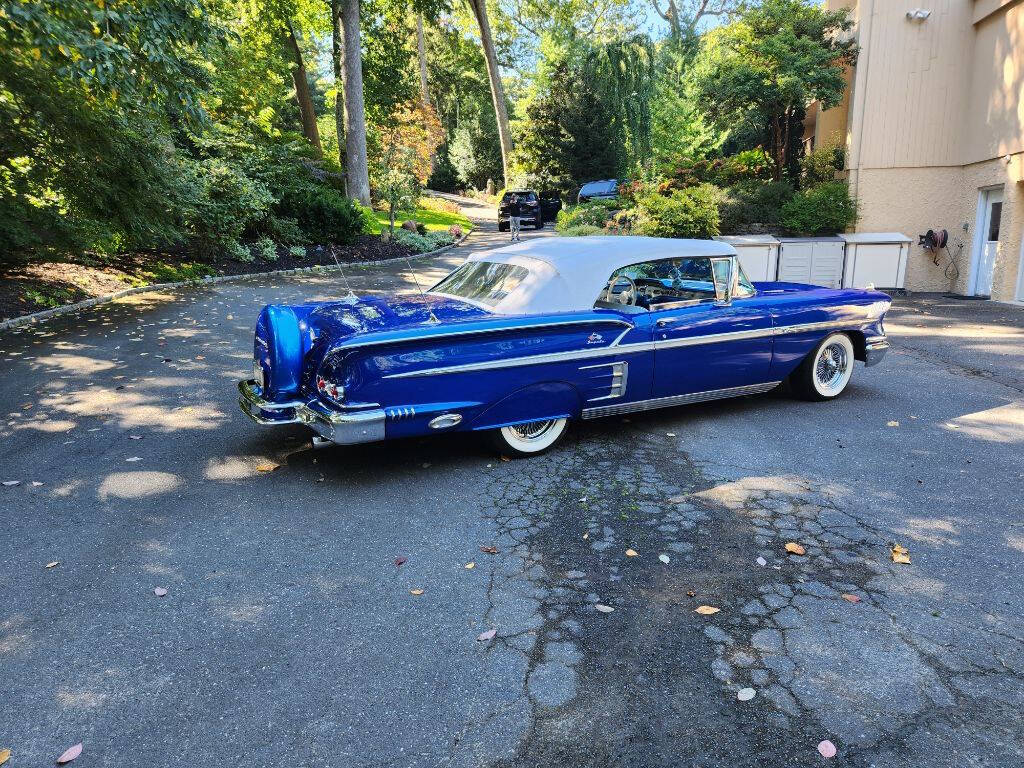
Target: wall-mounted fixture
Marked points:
918	14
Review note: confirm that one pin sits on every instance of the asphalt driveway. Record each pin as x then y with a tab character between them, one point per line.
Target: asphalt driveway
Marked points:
290	636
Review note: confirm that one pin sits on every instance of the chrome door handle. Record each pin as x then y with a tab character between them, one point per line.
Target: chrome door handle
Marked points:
665	321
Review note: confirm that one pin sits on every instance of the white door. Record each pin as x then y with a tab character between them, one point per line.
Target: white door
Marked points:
986	241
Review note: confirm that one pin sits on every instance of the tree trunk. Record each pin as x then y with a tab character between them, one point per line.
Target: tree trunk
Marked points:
303	97
356	168
421	47
497	89
339	101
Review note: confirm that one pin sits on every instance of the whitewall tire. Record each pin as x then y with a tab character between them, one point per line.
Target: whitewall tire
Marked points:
529	439
826	372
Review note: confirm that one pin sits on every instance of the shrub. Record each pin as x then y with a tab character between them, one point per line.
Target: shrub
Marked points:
821	165
325	215
582	230
284	230
238	252
822	210
421	243
751	206
593	213
297	251
370	223
682	213
266	249
226	202
455	231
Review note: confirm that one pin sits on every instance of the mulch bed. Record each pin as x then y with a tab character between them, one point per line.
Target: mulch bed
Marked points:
32	286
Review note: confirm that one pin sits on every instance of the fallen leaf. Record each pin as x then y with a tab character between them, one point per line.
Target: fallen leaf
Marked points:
706	610
827	748
603	608
793	548
134	459
690	593
585	535
159	591
505	458
268	467
134	437
665	558
762	562
470	566
70	754
36	484
10	483
5	755
417	591
483	637
900	554
631	553
401	560
490	549
893	424
850	598
746	694
54	564
670	434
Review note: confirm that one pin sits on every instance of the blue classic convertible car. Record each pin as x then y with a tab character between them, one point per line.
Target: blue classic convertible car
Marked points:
519	340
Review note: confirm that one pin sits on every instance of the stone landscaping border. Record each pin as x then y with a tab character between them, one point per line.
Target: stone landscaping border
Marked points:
46	314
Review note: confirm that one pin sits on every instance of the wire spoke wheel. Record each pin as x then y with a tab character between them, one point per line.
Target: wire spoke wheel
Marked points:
533	437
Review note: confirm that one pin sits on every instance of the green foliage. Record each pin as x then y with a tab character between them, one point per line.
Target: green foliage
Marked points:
325	215
265	249
826	209
682	213
422	243
822	164
753	206
590	214
181	272
758	72
582	230
297	251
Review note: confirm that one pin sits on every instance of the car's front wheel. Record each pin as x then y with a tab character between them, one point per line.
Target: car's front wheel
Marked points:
539	224
528	439
824	374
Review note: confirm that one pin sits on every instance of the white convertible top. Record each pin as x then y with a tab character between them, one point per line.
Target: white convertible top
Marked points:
567	274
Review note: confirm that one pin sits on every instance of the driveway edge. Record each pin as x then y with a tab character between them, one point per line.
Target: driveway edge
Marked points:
46	314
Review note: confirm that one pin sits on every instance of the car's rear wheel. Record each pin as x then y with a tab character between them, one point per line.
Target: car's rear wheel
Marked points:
826	372
528	439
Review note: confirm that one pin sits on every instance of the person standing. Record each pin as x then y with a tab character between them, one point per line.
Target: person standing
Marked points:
515	213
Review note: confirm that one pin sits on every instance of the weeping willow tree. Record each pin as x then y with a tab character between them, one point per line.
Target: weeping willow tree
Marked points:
622	75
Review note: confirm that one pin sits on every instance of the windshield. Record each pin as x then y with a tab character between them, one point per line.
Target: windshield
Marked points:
599	188
524	197
483	282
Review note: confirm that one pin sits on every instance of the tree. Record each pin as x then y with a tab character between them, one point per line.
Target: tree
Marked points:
760	71
356	164
479	8
421	57
302	94
684	15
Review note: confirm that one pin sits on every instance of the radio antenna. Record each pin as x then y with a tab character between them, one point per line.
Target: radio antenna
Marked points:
433	318
350	298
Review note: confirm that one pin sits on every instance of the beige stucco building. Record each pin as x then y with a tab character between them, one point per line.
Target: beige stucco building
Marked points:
933	124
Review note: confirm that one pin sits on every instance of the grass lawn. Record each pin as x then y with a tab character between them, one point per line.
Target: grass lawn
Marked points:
434	221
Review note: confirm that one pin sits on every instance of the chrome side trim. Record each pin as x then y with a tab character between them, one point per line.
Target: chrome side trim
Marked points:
665	402
619	375
512	362
616	348
712	338
874	350
503	329
400	412
825	325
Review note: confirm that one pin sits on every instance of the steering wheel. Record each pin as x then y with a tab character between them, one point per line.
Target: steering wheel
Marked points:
626	296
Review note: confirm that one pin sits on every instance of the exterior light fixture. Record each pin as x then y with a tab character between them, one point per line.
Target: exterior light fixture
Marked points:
918	14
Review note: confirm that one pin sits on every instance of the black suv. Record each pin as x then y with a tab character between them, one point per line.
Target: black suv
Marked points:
535	209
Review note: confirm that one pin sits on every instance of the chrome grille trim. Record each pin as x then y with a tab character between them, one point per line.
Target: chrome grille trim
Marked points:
619	375
665	402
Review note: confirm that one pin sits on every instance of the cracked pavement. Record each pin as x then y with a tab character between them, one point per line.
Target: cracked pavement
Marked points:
289	636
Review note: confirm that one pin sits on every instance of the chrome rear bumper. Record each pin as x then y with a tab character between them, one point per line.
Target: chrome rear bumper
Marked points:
344	428
874	350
